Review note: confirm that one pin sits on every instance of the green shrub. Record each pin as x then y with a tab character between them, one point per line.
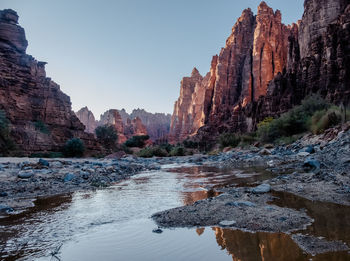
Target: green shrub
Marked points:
177	151
166	146
149	152
42	127
6	143
322	120
107	136
296	121
137	141
190	144
229	140
74	148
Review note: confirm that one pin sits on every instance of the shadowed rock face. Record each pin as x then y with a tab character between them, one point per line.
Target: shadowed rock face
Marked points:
266	68
27	96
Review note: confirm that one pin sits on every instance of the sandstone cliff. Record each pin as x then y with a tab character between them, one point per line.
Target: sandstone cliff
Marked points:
32	102
157	124
266	68
125	128
88	119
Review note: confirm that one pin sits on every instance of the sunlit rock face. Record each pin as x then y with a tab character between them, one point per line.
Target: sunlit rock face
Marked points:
265	69
30	99
255	52
134	127
88	119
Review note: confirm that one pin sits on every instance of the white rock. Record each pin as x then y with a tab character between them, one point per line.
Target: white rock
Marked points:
227	223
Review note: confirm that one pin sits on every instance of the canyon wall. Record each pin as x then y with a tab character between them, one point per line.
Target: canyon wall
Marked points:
139	122
125	129
157	124
265	69
40	114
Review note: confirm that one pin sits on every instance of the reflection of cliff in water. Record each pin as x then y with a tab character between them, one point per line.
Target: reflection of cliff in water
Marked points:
245	246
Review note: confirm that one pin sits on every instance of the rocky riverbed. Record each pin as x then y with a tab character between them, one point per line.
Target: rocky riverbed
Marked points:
316	168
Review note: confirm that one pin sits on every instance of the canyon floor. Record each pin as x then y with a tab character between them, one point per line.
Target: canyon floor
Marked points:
315	169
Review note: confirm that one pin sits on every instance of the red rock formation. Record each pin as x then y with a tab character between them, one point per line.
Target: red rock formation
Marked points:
266	68
254	54
113	118
88	119
157	124
28	97
134	127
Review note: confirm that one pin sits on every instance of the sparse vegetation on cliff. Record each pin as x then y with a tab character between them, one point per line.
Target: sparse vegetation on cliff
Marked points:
74	148
42	127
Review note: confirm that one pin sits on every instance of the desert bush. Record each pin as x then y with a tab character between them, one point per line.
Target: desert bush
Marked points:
190	144
42	127
107	136
177	151
149	152
294	122
229	140
322	120
74	148
137	141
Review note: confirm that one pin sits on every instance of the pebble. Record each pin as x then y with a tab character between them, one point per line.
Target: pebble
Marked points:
6	209
3	194
44	162
227	223
263	188
157	231
68	177
25	174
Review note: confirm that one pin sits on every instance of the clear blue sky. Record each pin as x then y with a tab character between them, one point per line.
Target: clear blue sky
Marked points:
130	53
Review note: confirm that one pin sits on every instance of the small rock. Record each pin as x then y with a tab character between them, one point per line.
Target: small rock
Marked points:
84	175
312	165
157	231
269	146
309	149
265	152
303	154
263	188
5	209
3	194
44	162
241	204
25	174
227	223
68	177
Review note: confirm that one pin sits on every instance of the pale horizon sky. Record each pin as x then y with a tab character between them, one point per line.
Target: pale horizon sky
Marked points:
114	54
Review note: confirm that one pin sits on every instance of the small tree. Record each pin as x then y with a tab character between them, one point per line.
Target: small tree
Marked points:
74	148
107	136
137	141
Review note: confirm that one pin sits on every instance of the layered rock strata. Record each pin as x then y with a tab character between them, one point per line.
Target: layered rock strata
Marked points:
40	114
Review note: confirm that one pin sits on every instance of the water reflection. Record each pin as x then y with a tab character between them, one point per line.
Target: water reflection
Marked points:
332	221
116	222
258	246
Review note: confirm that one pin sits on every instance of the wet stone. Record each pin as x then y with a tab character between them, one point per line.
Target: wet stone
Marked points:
44	162
25	174
263	188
